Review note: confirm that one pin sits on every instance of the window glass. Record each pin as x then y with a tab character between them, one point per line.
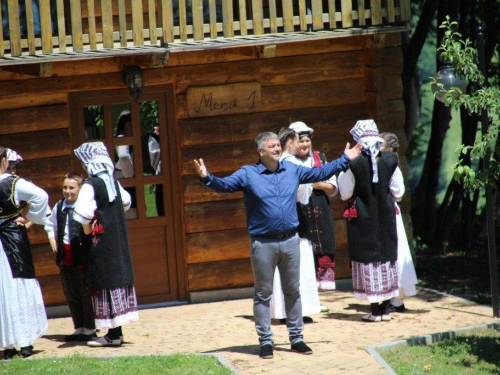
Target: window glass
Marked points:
93	122
153	195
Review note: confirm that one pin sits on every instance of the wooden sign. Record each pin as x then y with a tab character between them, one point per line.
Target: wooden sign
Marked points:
224	99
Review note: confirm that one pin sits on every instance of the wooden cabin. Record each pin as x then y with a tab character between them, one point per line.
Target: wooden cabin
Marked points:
216	73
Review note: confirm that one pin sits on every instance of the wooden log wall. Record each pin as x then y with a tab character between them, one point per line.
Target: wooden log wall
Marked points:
329	84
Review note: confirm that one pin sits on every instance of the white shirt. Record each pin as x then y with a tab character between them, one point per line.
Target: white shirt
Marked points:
38	200
347	183
51	226
86	205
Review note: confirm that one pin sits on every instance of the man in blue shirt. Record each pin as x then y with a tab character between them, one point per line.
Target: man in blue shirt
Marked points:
270	189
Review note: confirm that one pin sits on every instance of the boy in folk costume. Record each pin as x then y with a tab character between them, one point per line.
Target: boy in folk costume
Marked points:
22	312
108	271
373	182
70	244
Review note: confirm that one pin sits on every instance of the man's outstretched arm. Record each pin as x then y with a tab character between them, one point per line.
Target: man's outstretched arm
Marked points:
229	184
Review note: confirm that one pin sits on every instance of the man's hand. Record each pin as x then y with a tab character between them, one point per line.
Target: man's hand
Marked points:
200	168
353	153
53	244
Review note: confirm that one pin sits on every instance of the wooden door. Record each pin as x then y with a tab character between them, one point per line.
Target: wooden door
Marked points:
141	139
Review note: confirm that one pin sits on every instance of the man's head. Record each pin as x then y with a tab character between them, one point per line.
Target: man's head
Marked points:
268	147
72	184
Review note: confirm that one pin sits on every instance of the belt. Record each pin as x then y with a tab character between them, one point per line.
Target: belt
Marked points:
278	236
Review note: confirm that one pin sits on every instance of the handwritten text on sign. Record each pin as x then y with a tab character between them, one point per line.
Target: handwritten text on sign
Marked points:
224	99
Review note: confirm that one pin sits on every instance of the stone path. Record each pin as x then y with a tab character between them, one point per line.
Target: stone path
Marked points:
338	337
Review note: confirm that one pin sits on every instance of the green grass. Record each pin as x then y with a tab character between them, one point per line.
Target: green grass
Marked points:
476	352
78	364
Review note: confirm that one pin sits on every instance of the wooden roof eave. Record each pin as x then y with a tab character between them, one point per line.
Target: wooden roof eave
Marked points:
156	56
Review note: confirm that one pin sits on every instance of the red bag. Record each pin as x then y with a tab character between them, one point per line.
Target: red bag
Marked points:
350	211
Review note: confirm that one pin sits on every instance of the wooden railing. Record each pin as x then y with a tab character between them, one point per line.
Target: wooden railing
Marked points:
42	27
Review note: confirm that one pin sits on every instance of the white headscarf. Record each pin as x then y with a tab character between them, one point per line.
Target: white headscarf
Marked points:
366	133
301	127
13	156
98	163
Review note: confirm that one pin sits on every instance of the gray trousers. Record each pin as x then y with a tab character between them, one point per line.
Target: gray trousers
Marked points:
78	298
266	254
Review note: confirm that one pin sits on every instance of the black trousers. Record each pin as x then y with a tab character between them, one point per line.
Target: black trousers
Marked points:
78	297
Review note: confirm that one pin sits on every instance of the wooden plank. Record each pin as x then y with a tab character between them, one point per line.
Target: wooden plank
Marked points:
220	275
227	18
277	71
385	58
342	264
152	21
243	16
390	11
2	50
167	20
34	119
14	27
137	23
376	11
76	24
361	13
215	216
302	15
224	99
43	258
46	172
315	94
198	20
92	24
61	25
324	120
122	23
257	17
273	16
183	20
346	9
195	191
395	114
217	246
56	143
52	290
317	14
107	24
213	18
332	15
405	10
46	26
287	9
30	22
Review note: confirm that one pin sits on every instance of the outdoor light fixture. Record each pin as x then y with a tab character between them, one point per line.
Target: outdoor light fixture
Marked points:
133	77
446	76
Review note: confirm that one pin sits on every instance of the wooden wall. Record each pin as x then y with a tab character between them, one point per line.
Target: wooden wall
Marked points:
328	83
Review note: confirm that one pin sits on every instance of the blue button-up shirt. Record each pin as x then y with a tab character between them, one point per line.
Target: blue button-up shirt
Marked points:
270	196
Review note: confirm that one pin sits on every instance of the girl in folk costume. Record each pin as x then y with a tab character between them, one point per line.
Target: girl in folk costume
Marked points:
372	183
108	271
308	289
407	277
317	215
22	313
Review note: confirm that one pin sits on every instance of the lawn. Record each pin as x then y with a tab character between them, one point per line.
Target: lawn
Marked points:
78	364
476	352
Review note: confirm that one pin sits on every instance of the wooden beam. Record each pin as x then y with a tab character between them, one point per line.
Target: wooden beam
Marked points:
34	70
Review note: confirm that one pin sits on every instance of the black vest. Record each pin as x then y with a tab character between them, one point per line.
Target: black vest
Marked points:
372	235
78	241
14	237
109	264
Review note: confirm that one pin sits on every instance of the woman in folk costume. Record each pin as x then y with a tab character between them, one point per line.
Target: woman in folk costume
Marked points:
22	313
308	289
108	271
317	215
407	277
372	183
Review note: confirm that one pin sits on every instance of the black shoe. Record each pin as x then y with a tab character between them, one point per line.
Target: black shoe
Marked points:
72	337
302	348
266	351
282	321
27	351
85	338
393	308
307	320
10	353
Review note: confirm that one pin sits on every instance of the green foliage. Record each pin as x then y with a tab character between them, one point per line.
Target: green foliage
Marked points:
149	116
79	364
484	98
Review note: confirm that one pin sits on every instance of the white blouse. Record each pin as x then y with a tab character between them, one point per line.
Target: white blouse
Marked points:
347	183
37	199
51	226
86	205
